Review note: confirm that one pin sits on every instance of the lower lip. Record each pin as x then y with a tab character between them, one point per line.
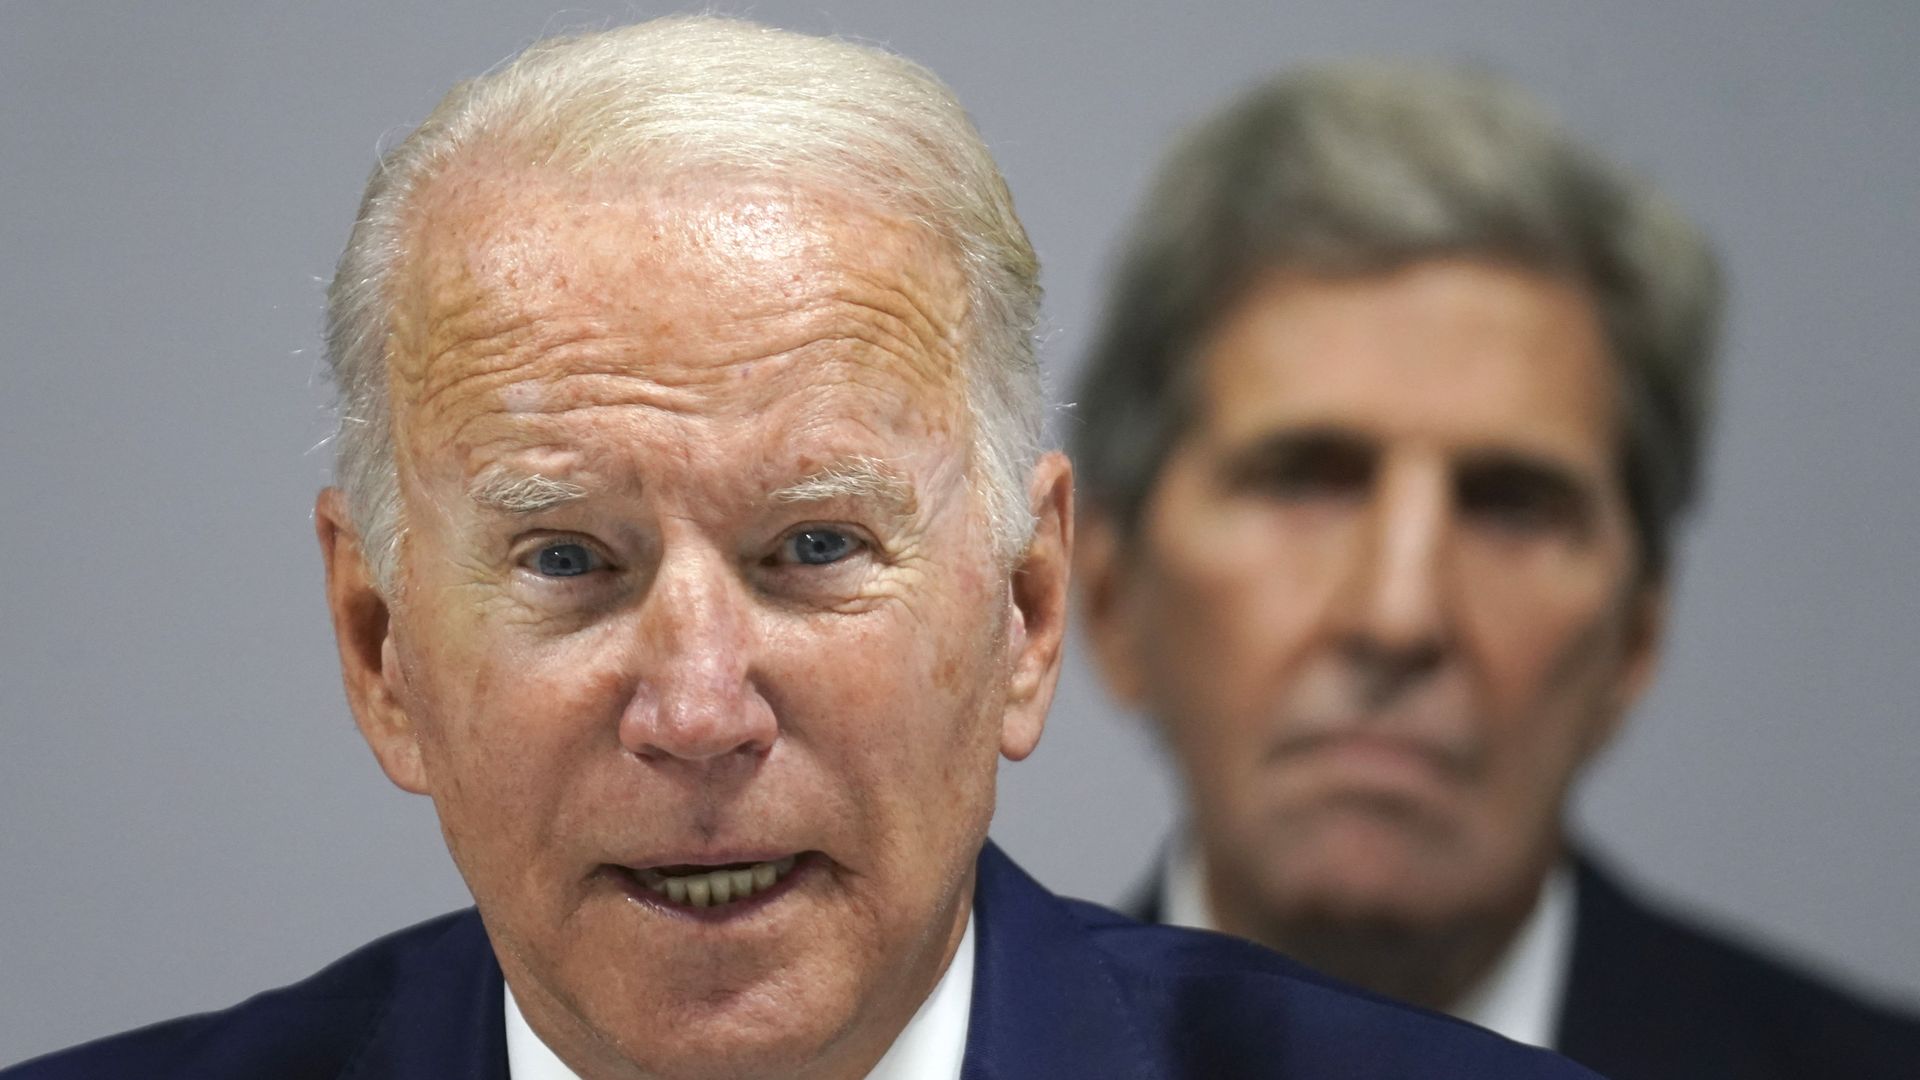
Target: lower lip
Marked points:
1378	759
806	865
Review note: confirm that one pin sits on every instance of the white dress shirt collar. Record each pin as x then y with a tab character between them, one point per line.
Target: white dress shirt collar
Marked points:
930	1047
1520	998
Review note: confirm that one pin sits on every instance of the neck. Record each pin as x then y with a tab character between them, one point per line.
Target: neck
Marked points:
1432	969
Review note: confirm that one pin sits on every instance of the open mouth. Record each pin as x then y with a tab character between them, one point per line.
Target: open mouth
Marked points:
725	885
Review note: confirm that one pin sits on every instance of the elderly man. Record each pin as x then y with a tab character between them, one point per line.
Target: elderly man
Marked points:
693	552
1383	444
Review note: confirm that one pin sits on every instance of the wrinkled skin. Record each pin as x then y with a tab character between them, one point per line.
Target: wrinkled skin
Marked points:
686	361
1384	601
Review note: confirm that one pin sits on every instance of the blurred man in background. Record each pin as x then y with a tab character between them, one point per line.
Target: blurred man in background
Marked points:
1383	445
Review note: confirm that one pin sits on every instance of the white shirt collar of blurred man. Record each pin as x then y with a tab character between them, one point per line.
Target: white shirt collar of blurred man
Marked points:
931	1046
1520	998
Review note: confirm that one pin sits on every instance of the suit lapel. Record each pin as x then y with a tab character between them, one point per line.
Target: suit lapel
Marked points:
1638	1003
1044	1005
446	1016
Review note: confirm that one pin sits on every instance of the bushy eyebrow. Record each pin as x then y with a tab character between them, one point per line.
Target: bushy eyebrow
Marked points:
854	478
1536	470
1353	456
1283	450
1552	487
502	489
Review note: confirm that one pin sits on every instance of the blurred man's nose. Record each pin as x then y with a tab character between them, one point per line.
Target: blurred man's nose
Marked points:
695	698
1393	606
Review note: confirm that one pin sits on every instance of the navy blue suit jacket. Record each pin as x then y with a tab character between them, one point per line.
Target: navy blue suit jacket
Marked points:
1651	997
1062	989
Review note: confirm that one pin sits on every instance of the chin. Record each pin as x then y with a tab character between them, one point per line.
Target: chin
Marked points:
762	1032
627	1009
1359	869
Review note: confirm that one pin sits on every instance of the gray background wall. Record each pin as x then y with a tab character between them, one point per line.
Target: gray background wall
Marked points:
186	813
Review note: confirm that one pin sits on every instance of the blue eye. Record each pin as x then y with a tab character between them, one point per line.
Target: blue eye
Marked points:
564	560
818	547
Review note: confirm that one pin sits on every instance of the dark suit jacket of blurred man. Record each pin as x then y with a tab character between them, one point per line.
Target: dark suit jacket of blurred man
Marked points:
1651	997
1063	990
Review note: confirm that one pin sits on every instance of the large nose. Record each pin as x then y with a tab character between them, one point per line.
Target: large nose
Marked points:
1394	602
695	699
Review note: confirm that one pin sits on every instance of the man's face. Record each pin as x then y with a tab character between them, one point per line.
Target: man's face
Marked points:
1383	598
694	578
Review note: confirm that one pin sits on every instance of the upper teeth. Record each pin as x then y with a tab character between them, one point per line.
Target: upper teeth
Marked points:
708	887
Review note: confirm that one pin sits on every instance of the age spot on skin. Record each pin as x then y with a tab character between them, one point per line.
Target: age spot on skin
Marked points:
522	397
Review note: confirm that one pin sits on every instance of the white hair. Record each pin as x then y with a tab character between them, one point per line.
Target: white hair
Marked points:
749	100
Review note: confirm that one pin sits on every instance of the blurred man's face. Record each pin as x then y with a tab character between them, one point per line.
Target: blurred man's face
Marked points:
1383	599
702	647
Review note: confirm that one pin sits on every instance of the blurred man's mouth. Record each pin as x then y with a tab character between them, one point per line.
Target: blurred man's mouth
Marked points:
1388	759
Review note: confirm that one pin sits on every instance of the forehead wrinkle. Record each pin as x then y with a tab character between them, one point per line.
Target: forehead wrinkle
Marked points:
494	254
890	319
447	291
585	369
602	375
513	346
899	398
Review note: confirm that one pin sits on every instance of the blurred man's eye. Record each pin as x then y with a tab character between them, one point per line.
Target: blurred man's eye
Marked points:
564	559
1304	467
1522	497
817	547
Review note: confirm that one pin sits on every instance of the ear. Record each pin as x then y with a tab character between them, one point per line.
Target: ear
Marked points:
1642	637
369	664
1101	572
1038	614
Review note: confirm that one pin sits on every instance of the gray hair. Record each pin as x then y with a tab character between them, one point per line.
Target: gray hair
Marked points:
705	92
1361	169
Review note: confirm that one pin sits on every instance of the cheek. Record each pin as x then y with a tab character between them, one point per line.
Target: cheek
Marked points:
1231	598
1547	652
502	718
904	706
904	685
